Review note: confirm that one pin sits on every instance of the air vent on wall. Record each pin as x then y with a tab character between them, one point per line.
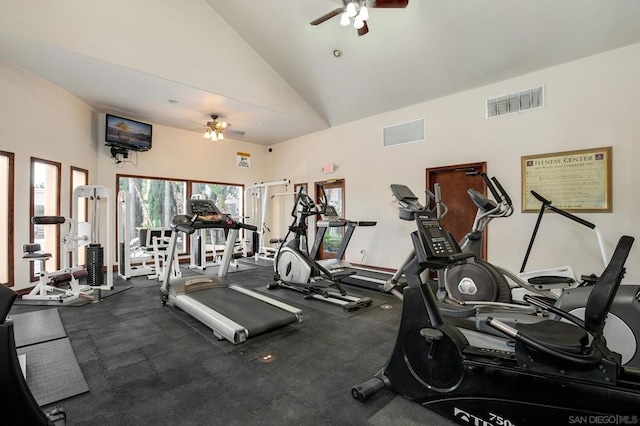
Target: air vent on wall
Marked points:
524	100
412	131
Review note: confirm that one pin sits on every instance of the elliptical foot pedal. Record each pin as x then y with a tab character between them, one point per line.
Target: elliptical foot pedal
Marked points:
58	417
357	304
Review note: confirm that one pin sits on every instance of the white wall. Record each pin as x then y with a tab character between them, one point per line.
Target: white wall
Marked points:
180	154
39	120
589	103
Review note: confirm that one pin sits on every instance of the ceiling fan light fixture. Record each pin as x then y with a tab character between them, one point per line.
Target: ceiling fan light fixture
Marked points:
344	20
351	10
220	136
364	13
358	23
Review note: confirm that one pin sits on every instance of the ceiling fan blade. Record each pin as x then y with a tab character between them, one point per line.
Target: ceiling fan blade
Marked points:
327	16
390	4
234	132
365	29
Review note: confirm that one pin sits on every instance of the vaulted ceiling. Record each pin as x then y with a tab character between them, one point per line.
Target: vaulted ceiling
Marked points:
262	67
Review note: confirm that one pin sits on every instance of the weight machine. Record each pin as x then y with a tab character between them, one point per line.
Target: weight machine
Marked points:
257	197
158	239
62	285
96	259
127	257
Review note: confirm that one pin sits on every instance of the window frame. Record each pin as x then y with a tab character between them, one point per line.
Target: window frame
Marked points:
56	248
10	216
81	253
189	192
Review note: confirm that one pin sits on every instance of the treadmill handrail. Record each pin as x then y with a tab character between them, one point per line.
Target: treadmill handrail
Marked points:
187	224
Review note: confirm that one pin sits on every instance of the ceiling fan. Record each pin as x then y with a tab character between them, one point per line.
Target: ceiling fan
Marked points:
215	129
358	10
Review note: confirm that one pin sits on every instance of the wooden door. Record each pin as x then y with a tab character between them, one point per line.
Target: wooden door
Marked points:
454	182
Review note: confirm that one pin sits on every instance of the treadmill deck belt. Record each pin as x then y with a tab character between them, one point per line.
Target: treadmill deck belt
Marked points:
253	314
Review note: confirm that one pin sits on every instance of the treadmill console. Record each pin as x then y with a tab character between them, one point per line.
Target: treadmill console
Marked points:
330	218
202	208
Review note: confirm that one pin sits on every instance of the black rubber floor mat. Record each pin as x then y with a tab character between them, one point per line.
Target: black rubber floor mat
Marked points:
401	411
53	373
37	327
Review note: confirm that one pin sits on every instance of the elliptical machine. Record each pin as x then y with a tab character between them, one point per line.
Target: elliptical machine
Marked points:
487	286
296	270
433	364
476	279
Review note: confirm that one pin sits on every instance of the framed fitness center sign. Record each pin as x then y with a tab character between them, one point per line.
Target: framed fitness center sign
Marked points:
573	180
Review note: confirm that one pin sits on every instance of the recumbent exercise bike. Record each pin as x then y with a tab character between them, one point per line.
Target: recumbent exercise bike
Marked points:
560	372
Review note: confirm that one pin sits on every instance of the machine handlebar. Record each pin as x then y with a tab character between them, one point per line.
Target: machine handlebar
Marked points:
492	188
310	208
502	191
189	225
496	189
547	204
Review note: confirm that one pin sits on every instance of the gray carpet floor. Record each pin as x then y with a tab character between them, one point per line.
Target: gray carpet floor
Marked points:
148	364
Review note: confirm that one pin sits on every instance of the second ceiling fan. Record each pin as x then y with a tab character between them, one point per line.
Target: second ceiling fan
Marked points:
215	129
359	11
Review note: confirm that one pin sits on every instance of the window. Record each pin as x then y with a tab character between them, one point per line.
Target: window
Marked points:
6	217
79	177
155	201
45	201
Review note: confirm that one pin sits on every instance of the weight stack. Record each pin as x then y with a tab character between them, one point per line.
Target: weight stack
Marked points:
95	264
121	264
255	241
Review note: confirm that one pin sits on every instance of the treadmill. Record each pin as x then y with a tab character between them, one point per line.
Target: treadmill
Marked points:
353	275
233	313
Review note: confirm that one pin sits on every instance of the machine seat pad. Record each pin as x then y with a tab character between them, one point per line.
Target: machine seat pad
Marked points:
48	220
66	277
557	334
36	256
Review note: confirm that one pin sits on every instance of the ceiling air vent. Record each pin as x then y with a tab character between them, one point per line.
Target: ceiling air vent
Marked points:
411	131
524	100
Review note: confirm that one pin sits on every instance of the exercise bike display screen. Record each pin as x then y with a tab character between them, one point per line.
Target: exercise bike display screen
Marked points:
438	241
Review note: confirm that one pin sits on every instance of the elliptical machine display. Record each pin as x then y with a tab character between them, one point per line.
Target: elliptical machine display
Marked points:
294	269
560	372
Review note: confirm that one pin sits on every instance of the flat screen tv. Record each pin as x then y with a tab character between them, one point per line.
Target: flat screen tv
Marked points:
129	134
